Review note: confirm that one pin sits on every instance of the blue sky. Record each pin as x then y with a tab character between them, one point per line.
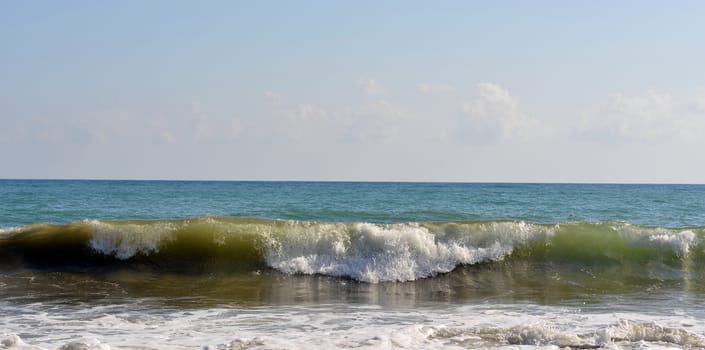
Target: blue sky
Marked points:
546	91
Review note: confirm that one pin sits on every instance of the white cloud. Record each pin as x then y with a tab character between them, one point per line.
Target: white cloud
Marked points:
650	117
202	125
372	122
370	87
233	128
91	129
273	98
495	114
293	122
165	134
305	119
21	133
196	107
207	128
203	128
307	112
434	88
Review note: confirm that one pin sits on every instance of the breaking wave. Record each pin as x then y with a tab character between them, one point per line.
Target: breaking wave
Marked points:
361	251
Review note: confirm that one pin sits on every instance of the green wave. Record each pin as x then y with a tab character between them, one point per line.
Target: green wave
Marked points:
361	251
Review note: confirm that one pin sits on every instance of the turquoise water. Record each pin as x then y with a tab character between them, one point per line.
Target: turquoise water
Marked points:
25	202
321	265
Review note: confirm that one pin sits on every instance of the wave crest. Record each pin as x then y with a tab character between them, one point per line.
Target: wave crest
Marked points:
366	252
394	252
125	240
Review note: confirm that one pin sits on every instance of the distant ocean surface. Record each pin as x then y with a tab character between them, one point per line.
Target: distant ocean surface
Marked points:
345	265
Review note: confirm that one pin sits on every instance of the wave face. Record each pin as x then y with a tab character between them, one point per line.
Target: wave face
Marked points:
361	251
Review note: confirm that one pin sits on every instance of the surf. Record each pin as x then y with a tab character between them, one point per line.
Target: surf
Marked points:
365	252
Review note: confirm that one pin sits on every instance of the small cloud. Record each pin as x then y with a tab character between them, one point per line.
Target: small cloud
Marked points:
21	133
494	114
234	128
204	129
370	87
202	124
92	129
273	98
164	133
302	120
650	117
434	88
290	121
166	136
373	122
308	112
196	107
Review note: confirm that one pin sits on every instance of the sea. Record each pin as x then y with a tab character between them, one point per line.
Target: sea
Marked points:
88	264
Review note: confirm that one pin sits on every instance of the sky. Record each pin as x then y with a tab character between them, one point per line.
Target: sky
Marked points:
468	91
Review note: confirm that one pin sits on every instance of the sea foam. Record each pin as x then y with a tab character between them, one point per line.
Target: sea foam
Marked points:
394	252
126	240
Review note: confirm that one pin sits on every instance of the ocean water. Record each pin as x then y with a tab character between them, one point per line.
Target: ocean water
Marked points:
327	265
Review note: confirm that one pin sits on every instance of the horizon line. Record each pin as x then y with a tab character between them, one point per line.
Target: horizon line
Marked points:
356	181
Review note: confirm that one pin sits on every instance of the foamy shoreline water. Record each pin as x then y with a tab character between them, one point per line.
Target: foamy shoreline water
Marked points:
345	326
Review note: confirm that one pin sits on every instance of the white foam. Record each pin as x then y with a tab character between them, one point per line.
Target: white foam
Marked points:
85	344
126	240
396	252
631	331
679	242
13	341
499	326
